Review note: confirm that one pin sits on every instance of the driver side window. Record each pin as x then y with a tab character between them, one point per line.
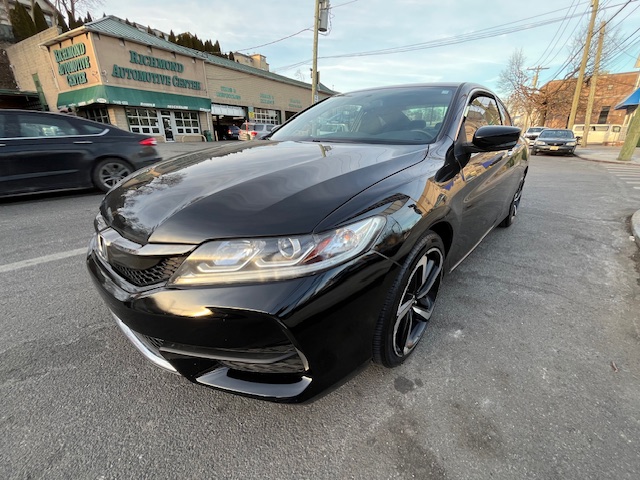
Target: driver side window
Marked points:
482	111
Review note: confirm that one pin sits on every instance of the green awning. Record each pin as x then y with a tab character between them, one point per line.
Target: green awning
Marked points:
109	95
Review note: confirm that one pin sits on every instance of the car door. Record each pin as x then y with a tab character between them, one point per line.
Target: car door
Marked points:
43	152
483	190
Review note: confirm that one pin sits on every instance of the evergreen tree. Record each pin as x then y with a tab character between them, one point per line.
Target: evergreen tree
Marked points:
38	15
88	19
62	24
149	30
172	37
231	57
21	22
216	49
73	23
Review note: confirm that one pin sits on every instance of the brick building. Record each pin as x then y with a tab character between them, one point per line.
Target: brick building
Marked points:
611	89
112	72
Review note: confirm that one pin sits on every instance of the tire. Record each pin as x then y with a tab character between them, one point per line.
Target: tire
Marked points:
410	302
110	171
513	208
534	151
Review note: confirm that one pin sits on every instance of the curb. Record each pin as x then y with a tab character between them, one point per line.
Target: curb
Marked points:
611	162
635	227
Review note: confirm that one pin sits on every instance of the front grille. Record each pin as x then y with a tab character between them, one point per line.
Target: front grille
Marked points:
161	272
292	364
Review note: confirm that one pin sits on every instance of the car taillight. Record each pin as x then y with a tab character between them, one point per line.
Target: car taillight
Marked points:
253	134
149	142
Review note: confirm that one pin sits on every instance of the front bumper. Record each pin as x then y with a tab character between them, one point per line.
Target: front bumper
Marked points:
286	341
554	148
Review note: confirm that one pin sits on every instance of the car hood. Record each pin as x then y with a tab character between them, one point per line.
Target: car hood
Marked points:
260	189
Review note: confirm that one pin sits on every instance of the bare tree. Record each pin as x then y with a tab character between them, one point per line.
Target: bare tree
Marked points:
514	84
73	6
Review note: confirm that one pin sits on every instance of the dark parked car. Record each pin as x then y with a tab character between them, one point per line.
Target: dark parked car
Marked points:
555	140
232	132
281	267
42	151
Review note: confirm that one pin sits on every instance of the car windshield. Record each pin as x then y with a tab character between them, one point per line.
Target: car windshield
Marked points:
408	115
556	134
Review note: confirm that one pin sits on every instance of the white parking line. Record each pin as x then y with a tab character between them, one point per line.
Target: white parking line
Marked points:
10	267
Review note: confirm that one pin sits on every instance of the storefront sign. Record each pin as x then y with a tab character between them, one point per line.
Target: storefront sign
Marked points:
71	61
155	62
156	78
294	103
267	99
228	92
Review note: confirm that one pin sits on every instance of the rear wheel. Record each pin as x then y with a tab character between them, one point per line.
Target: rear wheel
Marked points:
410	302
110	171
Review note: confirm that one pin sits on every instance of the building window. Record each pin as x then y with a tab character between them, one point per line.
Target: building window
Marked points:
99	114
187	122
263	115
604	113
143	120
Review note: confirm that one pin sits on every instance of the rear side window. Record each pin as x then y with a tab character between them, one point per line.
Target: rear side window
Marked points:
45	126
258	128
92	129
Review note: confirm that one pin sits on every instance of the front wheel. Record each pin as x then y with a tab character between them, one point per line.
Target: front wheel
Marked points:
513	208
410	302
109	172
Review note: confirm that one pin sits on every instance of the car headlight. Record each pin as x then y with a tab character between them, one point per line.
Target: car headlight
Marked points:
266	259
539	142
571	144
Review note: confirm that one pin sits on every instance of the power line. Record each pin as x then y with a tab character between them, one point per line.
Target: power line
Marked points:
480	34
308	29
558	34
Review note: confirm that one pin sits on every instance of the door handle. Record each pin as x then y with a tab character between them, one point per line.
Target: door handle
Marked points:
84	142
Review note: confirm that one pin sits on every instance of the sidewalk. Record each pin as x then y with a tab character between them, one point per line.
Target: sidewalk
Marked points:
601	153
598	153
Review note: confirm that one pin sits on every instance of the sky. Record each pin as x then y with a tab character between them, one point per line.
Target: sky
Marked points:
442	36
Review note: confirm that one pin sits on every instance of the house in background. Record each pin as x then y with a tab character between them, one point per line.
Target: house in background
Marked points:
6	33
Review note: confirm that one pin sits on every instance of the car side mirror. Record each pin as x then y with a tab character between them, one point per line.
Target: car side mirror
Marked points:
492	138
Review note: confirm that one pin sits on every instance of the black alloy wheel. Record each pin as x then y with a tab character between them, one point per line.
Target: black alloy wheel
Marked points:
109	172
513	209
410	302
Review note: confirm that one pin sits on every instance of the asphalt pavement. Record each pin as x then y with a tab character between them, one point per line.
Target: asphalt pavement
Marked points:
607	154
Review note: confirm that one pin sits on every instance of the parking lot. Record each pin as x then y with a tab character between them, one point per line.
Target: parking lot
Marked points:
529	369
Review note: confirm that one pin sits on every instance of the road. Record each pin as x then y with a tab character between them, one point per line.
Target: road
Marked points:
530	368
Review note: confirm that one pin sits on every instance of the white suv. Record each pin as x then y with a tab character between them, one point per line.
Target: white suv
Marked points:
255	131
532	134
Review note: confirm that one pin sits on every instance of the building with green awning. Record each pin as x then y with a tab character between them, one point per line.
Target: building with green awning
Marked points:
112	72
106	94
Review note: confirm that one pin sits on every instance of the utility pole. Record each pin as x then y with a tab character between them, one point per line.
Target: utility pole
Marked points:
583	65
534	84
592	89
537	69
321	16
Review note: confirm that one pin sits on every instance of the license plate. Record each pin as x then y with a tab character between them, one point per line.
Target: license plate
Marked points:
554	148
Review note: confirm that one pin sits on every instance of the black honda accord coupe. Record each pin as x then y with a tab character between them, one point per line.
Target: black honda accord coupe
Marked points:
276	269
